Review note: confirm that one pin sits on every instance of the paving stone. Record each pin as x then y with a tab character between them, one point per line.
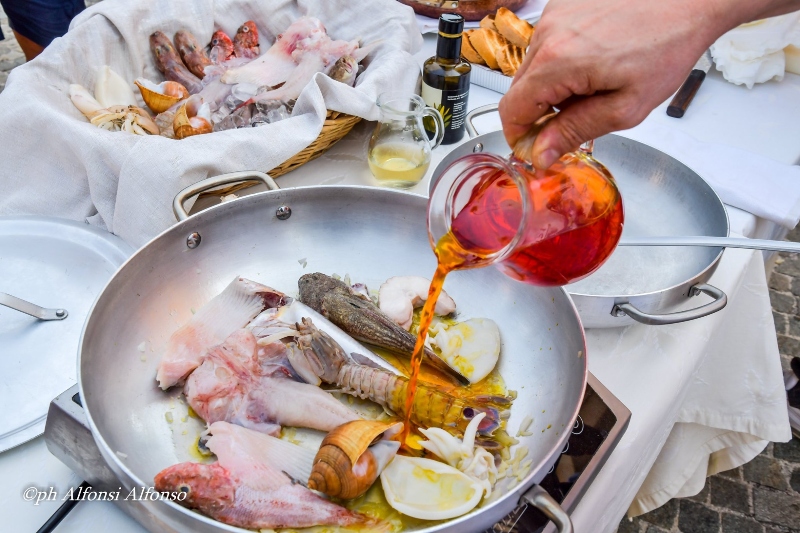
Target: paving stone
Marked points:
663	516
730	494
778	529
695	518
789	266
781	321
793	323
702	496
777	507
795	289
767	451
11	63
795	480
788	451
736	474
732	523
766	471
788	345
782	302
628	525
780	282
655	529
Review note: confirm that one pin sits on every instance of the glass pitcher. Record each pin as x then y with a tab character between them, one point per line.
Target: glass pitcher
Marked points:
399	150
543	227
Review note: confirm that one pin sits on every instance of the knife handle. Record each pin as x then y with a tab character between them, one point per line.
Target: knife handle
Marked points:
685	94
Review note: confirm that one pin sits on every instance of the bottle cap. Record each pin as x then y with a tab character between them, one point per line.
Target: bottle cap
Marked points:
451	25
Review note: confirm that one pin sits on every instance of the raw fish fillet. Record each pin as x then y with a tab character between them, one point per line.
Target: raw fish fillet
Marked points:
247	384
277	63
230	310
250	486
320	59
257	459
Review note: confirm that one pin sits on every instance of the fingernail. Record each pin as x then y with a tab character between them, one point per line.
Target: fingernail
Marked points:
547	158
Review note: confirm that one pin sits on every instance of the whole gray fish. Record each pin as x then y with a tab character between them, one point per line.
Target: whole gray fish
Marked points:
363	320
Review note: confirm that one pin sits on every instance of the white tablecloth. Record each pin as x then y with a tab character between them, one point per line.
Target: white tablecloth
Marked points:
705	396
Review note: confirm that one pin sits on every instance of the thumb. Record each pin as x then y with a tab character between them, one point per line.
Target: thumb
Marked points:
581	121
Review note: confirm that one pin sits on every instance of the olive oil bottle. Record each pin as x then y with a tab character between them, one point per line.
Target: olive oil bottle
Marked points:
445	79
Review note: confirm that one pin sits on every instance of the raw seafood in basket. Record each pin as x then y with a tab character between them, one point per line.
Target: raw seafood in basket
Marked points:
125	183
252	362
231	86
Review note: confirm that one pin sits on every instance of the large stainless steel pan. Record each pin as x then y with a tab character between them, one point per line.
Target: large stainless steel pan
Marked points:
370	234
662	197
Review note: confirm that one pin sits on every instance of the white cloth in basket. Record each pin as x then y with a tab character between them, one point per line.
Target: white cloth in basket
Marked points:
55	163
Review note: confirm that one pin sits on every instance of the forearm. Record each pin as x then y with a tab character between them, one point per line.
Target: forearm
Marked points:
732	13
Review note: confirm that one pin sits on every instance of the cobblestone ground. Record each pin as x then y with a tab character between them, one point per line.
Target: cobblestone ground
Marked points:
763	496
10	53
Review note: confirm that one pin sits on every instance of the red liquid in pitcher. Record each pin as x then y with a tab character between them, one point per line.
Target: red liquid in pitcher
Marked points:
573	223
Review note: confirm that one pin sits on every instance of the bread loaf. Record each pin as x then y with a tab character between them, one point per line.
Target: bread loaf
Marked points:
515	30
487	43
509	58
488	23
468	51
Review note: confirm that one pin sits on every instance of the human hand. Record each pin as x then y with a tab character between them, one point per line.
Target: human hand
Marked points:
606	65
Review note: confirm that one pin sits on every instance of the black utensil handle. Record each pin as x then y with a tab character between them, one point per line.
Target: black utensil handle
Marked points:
62	511
685	94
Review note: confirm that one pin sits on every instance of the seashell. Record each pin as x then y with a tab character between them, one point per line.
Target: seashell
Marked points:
429	490
193	118
110	89
161	96
352	456
84	101
473	346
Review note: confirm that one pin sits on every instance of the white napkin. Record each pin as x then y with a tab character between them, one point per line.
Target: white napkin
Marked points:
531	12
751	182
54	162
754	52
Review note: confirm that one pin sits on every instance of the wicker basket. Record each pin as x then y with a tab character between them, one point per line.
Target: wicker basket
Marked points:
336	126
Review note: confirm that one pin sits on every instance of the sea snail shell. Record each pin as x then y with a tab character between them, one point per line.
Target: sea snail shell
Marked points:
193	118
352	456
162	96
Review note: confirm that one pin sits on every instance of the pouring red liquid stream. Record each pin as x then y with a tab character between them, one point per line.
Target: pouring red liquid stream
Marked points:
572	225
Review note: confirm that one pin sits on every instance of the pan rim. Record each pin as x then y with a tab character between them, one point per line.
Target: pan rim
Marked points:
122	470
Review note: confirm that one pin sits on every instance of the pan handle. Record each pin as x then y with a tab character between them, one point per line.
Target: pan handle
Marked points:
720	301
539	498
478	111
216	181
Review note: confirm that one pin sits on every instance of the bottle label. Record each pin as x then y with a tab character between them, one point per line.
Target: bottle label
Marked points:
452	104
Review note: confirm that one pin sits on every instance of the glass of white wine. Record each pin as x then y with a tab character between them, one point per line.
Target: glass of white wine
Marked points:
399	150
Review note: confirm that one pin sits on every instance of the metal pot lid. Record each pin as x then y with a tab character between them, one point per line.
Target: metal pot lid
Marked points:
57	264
